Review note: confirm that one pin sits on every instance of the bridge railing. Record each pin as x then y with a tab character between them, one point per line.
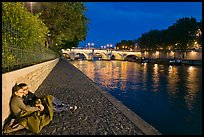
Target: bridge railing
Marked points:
73	49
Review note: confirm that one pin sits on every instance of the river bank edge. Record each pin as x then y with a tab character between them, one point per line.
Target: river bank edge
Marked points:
132	116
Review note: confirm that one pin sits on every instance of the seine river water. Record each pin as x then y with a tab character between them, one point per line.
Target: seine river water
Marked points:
168	97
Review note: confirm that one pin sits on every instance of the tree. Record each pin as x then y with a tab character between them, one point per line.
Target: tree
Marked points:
152	40
125	44
199	33
31	31
20	30
183	32
180	35
66	21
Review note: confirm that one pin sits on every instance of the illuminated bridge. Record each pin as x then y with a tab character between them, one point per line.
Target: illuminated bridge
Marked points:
106	54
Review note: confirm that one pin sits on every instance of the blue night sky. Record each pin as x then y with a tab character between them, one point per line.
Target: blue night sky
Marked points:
112	22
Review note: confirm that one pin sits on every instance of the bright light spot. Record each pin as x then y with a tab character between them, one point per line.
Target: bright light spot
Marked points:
145	63
190	68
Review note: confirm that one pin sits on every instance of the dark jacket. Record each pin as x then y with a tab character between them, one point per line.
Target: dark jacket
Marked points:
30	99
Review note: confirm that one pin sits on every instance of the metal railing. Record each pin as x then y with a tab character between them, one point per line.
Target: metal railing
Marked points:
15	57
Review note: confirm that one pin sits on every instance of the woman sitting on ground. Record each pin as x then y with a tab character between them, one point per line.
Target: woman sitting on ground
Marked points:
32	118
29	115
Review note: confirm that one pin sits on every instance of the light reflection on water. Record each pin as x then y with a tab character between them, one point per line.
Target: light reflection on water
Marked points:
168	97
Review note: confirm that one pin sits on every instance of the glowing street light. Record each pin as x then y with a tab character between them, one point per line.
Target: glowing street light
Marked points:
92	44
157	54
89	45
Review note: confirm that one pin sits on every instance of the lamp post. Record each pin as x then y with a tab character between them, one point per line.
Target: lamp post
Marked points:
92	44
89	45
31	7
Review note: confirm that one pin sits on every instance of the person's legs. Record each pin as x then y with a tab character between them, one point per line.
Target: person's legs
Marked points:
9	128
58	106
58	102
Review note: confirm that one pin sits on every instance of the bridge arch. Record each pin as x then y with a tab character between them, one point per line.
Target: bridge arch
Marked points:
117	56
85	54
66	55
103	55
131	57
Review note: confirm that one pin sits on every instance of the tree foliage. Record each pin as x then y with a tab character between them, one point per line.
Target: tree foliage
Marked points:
181	35
21	28
199	33
152	40
21	31
184	31
66	21
125	44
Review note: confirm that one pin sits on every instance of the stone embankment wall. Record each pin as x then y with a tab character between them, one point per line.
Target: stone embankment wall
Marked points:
188	55
33	76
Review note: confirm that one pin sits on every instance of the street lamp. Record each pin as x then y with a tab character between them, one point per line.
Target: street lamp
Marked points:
89	45
92	44
31	7
107	47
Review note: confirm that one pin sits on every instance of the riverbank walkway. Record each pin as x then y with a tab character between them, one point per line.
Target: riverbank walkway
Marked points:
98	112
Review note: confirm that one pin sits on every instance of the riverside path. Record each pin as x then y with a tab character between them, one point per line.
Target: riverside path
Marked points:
98	112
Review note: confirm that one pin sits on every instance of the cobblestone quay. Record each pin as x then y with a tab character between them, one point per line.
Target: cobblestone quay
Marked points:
98	112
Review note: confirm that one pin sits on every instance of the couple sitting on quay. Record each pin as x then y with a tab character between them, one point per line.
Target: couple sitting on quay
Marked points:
31	112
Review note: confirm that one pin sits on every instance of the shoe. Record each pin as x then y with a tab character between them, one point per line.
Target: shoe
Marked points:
7	129
73	109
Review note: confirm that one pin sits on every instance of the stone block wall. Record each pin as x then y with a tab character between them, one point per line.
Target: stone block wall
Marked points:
33	76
